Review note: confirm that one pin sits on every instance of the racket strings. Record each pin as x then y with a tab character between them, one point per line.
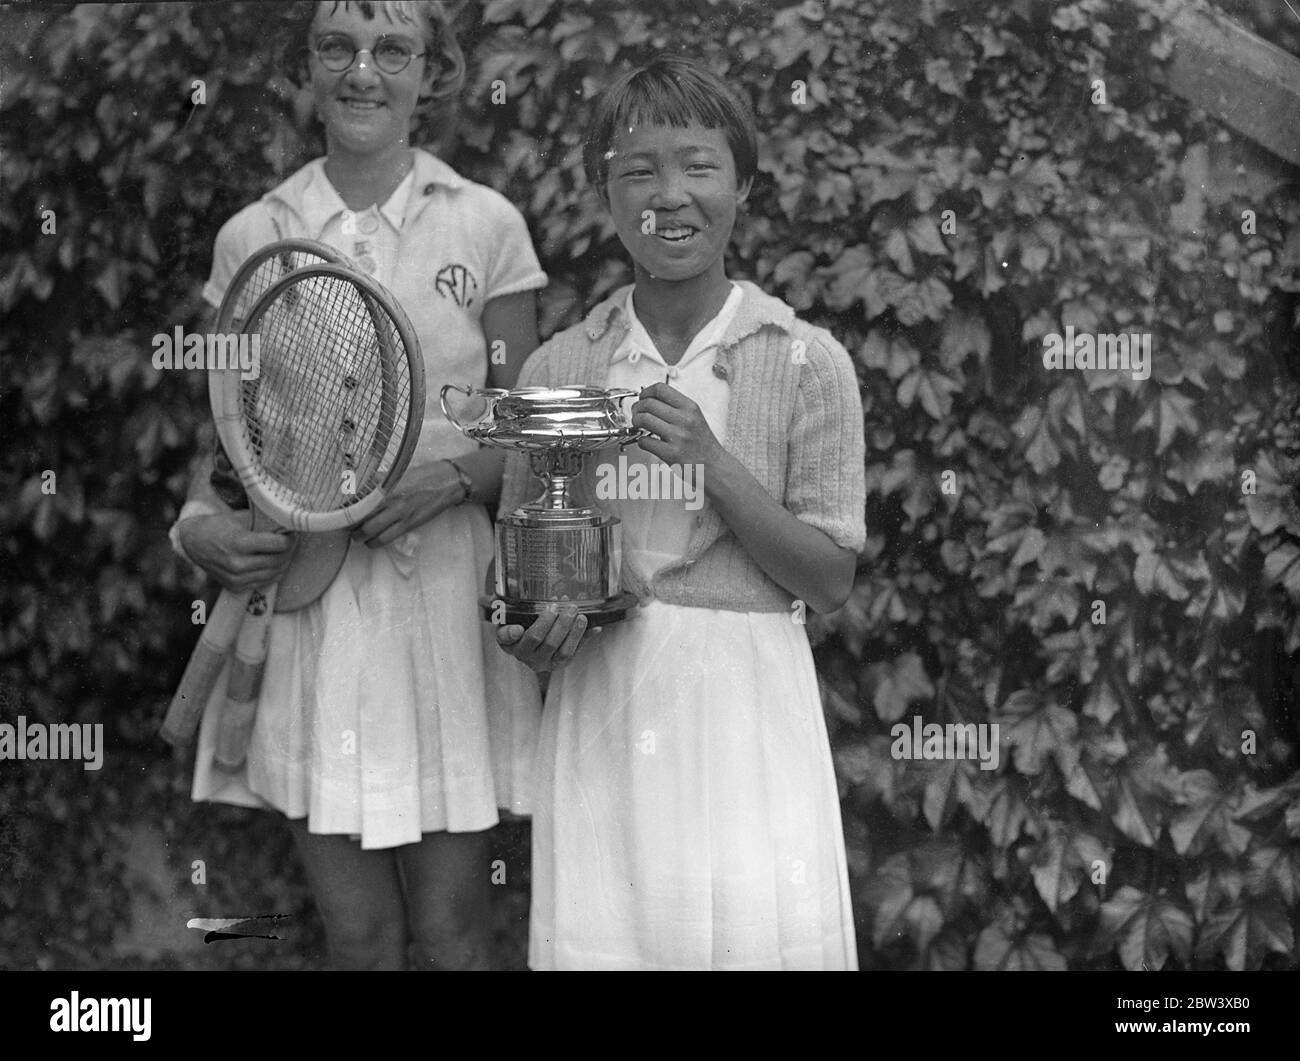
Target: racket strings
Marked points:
267	273
327	413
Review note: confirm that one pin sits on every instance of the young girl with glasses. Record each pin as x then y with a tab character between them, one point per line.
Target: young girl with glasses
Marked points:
389	728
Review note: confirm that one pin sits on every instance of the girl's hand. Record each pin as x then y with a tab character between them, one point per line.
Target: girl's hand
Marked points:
550	642
680	434
424	493
235	556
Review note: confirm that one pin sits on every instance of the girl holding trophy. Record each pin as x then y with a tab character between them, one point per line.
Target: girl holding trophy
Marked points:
686	812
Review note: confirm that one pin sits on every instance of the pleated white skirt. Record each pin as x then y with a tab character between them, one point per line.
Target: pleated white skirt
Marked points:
686	812
387	709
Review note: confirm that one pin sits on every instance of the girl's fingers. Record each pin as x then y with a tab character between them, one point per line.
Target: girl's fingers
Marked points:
657	447
558	625
663	392
654	424
670	414
570	644
264	542
376	524
509	635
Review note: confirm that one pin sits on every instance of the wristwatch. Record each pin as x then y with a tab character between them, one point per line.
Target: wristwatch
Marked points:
466	483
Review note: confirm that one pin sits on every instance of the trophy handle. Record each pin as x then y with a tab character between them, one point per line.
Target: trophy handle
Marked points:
618	396
490	395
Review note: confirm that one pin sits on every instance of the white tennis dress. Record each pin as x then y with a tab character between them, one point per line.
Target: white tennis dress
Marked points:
687	814
387	709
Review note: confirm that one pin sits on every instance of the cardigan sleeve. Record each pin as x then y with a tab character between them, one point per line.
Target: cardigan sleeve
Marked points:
826	477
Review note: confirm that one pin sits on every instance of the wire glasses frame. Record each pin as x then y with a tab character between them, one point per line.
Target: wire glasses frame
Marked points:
391	56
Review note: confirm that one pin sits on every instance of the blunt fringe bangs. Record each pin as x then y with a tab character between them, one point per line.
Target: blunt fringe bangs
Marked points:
670	91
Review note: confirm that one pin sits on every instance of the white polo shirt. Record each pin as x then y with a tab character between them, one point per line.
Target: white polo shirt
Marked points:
657	532
443	245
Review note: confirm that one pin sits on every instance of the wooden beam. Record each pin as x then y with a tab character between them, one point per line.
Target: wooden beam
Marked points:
1243	80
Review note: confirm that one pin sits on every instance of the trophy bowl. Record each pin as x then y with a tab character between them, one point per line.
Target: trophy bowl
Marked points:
553	550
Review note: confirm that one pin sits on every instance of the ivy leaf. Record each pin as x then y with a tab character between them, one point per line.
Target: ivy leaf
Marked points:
848	277
1170	413
1007	814
896	247
869	765
934	389
948	784
1275	869
1207	813
1103	701
948	953
896	356
1211	462
998	950
1152	573
1030	548
963	334
1244	933
1034	255
887	895
792	276
109	284
1137	810
925	237
1041	449
946	870
924	920
1085	783
1271	505
1148	928
1036	730
1061	862
898	684
533	11
1282	565
1212	887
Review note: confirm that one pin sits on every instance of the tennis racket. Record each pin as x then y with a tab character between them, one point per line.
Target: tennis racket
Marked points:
263	269
323	434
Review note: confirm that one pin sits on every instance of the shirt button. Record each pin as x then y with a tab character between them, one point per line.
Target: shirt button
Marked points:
368	263
369	224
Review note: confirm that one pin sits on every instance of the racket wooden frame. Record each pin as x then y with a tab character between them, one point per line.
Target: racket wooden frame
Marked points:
228	408
224	623
244	685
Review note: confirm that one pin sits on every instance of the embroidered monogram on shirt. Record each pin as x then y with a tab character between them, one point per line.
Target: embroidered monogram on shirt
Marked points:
456	282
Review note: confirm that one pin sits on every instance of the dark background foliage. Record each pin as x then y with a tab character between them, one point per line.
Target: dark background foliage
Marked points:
1130	822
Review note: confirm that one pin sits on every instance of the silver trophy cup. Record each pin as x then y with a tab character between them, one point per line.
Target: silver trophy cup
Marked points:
555	549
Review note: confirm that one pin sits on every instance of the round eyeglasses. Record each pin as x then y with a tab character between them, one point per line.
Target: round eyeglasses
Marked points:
392	56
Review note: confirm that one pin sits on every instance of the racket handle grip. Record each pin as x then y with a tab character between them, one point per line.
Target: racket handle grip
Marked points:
204	668
245	684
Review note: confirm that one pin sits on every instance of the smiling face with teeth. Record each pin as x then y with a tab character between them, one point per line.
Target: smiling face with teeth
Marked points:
684	179
364	110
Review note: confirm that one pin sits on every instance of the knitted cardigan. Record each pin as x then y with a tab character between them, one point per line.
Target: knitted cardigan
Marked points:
794	420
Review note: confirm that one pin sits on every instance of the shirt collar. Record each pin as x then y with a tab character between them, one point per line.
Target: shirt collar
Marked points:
309	194
757	310
639	343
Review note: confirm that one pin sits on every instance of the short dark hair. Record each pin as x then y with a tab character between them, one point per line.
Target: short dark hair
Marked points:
670	91
437	28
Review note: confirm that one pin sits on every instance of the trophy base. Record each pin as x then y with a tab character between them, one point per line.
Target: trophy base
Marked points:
523	613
